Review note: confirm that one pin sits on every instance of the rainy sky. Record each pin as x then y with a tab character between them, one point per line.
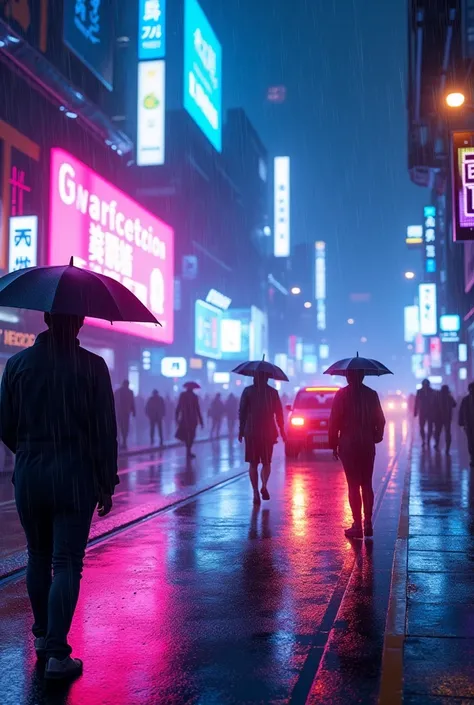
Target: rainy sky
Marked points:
344	126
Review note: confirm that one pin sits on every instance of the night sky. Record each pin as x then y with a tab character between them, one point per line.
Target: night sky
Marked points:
344	126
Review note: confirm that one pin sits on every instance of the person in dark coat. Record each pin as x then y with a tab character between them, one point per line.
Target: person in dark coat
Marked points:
466	420
125	406
216	414
57	415
444	416
425	410
260	407
155	410
232	413
188	416
356	424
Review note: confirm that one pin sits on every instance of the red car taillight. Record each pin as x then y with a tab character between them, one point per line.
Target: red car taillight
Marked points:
297	421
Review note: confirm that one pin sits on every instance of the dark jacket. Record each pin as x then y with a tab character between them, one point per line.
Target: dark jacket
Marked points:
259	407
425	403
445	406
231	407
356	417
124	402
57	415
155	408
216	409
466	414
188	412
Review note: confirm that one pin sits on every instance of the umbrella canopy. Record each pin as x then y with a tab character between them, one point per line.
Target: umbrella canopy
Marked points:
249	369
191	385
69	290
370	368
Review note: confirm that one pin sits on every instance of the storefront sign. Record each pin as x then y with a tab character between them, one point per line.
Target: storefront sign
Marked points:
108	232
174	367
151	29
435	353
195	363
151	113
23	242
258	337
16	339
202	73
282	207
215	298
412	323
428	309
462	352
89	32
450	325
463	185
221	378
235	334
429	238
414	235
207	330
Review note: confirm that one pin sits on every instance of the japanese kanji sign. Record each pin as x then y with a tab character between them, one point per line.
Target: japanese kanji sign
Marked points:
151	29
23	242
108	232
463	186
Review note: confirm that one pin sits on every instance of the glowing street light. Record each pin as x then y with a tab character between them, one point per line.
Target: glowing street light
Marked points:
363	339
409	275
350	321
307	304
296	290
455	99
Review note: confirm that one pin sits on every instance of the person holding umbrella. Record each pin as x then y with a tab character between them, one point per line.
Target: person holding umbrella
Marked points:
57	415
188	416
356	425
260	407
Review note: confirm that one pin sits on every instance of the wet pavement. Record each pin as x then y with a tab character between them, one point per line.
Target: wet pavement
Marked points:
215	602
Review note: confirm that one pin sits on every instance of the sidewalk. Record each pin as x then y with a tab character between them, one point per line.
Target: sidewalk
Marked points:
429	641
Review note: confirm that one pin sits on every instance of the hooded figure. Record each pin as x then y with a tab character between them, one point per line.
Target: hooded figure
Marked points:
425	409
260	407
188	416
466	420
356	424
444	416
57	415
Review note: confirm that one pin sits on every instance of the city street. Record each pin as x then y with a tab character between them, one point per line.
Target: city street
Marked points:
214	601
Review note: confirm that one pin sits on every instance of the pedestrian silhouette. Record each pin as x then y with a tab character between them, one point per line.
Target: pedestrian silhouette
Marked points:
425	410
356	424
155	410
260	407
216	414
232	413
466	420
57	415
125	406
444	416
188	416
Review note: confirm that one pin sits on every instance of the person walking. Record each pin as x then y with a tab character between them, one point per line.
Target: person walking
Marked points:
260	407
57	416
444	416
466	420
232	413
188	416
155	410
216	414
125	406
425	410
356	425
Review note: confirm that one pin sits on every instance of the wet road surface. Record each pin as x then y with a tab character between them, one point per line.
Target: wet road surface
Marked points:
215	602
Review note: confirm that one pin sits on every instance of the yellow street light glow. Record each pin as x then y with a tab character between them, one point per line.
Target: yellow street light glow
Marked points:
296	290
455	100
409	275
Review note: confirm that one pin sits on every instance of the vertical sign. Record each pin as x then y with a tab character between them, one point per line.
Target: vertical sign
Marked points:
320	284
151	113
428	309
463	186
23	242
151	30
467	28
282	207
435	353
429	238
412	323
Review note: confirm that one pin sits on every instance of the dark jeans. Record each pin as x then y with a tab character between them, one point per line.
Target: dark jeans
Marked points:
56	538
446	425
156	423
424	421
216	428
358	462
124	428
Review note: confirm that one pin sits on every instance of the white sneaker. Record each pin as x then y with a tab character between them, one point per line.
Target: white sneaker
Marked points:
67	668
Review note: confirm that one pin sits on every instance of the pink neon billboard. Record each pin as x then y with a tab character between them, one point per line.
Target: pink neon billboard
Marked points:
108	232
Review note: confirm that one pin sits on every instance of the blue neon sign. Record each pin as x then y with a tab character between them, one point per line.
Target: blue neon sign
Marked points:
202	73
151	29
207	338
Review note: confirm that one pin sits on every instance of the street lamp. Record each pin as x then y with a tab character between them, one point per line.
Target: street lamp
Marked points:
350	321
455	99
409	275
296	290
307	304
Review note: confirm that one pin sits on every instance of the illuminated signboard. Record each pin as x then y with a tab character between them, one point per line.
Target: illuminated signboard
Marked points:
428	309
172	367
207	339
463	185
324	351
221	377
151	29
412	323
108	232
258	343
23	242
435	353
215	298
310	364
320	284
282	207
235	334
429	238
202	73
16	339
450	325
151	113
414	235
89	32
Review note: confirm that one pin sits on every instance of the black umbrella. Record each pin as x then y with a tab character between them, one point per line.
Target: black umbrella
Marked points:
191	385
370	368
72	291
251	368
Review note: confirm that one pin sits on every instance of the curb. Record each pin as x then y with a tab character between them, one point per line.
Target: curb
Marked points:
391	680
166	446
